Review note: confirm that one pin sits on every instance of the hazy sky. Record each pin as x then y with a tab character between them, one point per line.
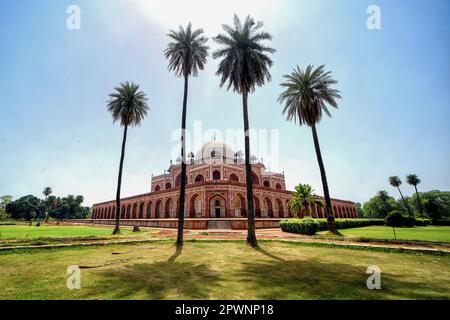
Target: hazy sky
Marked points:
55	130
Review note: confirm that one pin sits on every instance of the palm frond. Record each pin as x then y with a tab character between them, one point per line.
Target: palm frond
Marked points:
245	63
187	52
128	105
307	95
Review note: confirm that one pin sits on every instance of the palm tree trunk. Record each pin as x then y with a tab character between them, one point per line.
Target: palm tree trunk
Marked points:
418	201
406	203
251	234
119	182
326	193
183	166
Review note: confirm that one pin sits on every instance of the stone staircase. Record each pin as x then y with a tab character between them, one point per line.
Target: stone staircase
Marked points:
219	224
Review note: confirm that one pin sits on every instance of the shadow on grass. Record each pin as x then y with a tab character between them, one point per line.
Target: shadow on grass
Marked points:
267	254
159	280
312	279
176	254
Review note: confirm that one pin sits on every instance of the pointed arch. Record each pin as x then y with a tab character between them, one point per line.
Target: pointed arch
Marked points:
257	206
267	208
169	209
158	209
199	178
149	214
255	178
216	175
279	212
195	206
141	211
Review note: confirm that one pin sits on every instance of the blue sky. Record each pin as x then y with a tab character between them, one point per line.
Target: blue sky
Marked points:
55	130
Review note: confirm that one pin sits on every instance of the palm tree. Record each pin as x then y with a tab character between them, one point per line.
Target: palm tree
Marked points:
396	183
413	180
306	96
128	106
187	54
46	192
303	199
244	65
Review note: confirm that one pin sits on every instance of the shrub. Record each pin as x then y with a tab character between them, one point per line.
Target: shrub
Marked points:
305	226
395	219
422	222
442	223
350	223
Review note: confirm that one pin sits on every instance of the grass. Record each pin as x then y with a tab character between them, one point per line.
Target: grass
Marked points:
221	270
430	233
8	232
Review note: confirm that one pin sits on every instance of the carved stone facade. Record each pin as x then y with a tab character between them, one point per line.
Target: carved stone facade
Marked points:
216	189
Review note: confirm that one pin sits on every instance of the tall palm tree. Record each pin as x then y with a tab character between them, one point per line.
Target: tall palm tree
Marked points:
306	96
46	192
303	199
187	54
413	180
244	65
396	183
128	106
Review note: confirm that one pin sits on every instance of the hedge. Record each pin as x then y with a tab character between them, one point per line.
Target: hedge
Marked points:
303	226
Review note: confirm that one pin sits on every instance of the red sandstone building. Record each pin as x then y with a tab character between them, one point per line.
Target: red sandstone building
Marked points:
215	195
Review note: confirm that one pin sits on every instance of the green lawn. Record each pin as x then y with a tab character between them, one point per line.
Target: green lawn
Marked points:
430	233
221	270
50	231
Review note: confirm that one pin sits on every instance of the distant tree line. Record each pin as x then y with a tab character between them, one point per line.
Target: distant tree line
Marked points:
434	204
33	208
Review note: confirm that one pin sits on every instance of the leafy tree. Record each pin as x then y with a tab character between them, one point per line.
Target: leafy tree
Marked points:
128	106
414	180
360	211
245	65
4	201
69	207
435	203
303	200
433	208
187	54
377	207
306	96
26	208
396	183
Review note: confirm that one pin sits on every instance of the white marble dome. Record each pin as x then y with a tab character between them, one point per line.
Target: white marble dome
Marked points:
214	151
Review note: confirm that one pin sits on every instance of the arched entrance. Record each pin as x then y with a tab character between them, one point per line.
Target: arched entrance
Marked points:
257	207
195	206
239	206
149	210
199	178
169	213
267	208
141	211
279	208
217	207
158	209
